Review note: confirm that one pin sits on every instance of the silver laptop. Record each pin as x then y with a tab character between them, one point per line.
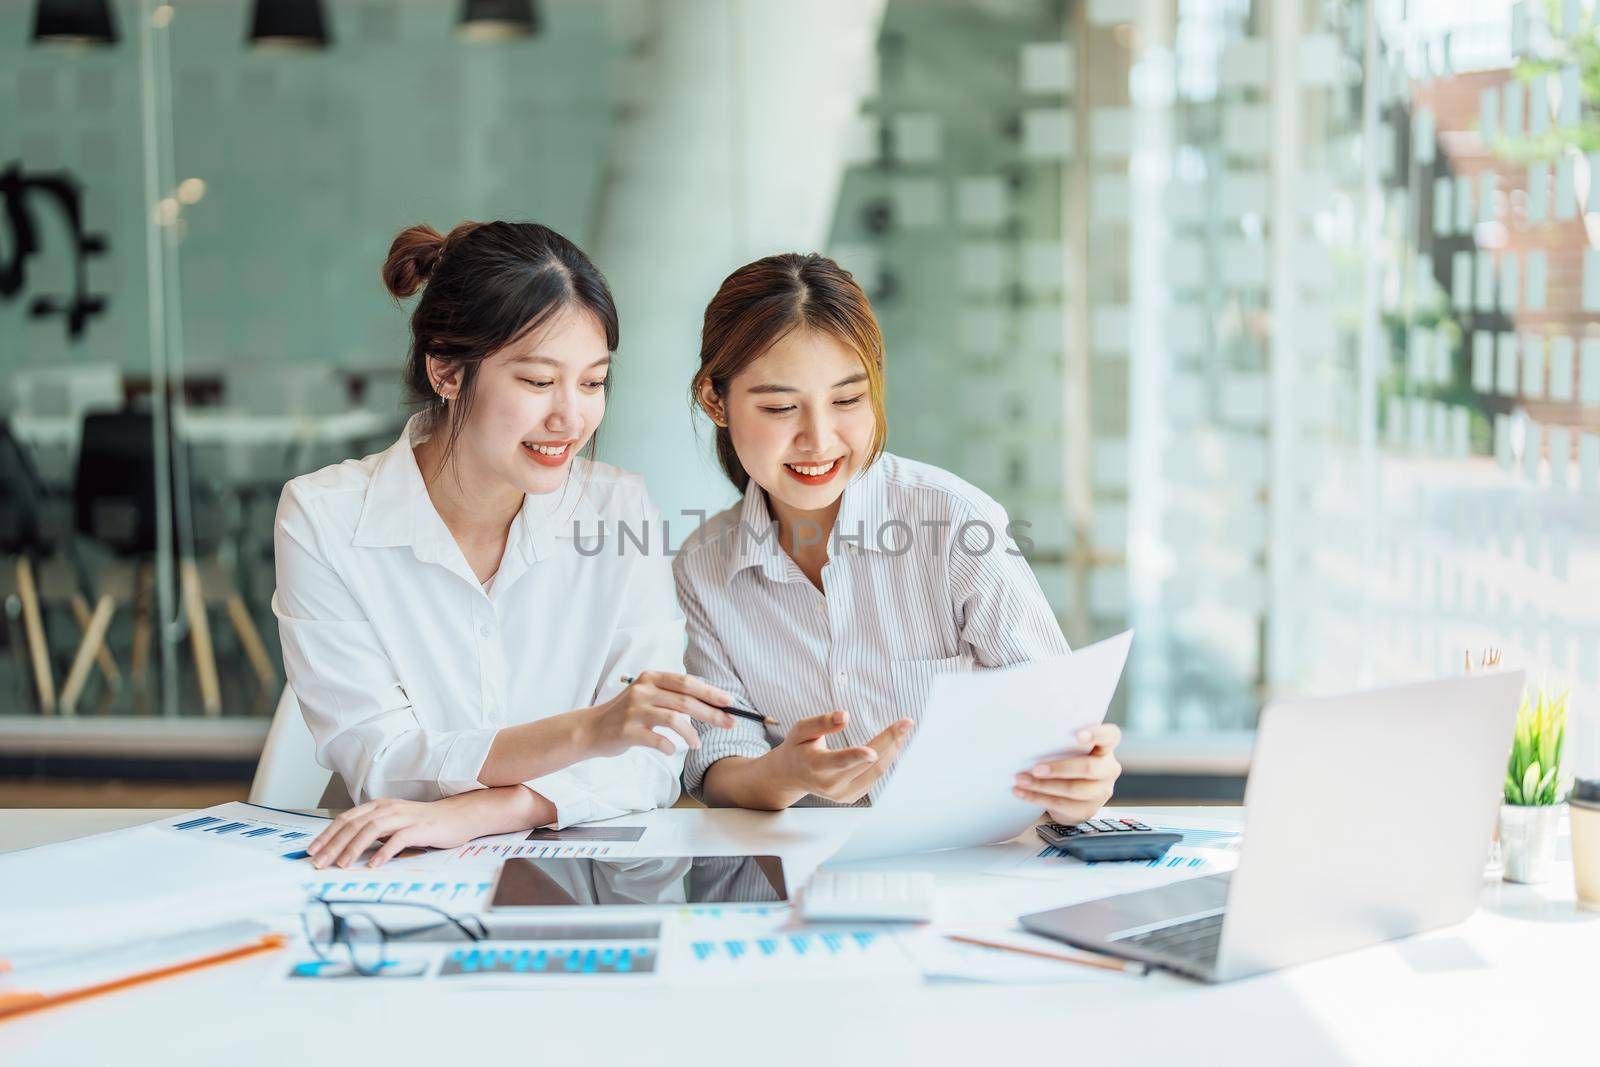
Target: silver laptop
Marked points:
1368	817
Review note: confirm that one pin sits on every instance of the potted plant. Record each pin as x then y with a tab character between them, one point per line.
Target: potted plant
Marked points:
1534	789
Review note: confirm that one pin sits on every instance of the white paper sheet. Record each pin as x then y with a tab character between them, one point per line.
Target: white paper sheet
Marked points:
938	957
952	785
144	882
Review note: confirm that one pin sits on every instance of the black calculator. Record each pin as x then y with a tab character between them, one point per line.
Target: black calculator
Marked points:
1103	840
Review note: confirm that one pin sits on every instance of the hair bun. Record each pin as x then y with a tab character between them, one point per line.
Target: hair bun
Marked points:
412	257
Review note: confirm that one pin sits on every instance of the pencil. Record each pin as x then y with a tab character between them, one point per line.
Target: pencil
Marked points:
628	679
1105	963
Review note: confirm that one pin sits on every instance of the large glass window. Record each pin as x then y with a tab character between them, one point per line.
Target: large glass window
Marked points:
1278	324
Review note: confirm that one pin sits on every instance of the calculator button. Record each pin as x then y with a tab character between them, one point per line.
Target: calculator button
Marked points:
1084	828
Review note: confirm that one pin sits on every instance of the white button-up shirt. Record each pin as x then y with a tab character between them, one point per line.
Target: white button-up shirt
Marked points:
406	667
923	577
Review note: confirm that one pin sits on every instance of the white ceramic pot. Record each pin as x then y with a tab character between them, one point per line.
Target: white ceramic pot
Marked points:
1528	840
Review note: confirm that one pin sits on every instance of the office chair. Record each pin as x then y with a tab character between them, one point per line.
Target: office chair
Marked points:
288	775
20	537
114	496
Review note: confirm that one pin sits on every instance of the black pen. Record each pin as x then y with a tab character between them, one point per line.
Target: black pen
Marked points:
628	679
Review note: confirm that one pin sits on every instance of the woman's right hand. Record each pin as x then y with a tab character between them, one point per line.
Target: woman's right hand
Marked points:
656	698
803	764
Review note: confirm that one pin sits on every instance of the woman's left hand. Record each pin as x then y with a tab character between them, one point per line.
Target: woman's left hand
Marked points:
405	824
1074	788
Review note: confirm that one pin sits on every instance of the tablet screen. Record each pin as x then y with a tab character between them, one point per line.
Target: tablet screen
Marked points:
525	883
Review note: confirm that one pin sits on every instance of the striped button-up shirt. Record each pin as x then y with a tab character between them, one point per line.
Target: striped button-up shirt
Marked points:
923	577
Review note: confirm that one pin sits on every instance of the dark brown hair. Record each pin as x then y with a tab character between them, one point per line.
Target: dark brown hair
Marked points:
485	285
762	302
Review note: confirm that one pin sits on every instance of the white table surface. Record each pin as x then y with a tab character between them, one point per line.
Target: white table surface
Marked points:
1516	980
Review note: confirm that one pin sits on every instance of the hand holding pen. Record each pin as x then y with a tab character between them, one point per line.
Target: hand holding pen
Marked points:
743	713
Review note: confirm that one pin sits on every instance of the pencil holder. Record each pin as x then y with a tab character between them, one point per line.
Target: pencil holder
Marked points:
1585	807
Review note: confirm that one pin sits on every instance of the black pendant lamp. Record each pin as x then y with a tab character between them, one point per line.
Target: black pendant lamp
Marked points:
74	22
289	24
498	20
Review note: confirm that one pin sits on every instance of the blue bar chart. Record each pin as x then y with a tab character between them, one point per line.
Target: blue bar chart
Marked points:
250	826
551	960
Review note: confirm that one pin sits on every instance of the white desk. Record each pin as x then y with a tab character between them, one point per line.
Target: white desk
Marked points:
1516	980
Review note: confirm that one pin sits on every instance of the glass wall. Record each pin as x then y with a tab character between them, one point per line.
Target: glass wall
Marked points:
1271	320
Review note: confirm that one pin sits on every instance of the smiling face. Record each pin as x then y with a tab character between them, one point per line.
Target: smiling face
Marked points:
801	419
535	403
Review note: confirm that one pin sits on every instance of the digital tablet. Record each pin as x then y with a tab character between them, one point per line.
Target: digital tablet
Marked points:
638	880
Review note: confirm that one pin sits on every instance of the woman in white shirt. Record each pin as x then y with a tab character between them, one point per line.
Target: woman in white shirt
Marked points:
846	578
455	647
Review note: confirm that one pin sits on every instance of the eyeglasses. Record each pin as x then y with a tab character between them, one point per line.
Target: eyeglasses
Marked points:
361	931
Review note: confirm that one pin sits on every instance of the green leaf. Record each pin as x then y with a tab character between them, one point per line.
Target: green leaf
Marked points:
1513	791
1547	787
1530	784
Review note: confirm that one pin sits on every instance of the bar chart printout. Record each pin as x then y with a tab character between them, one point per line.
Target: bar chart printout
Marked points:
252	826
788	956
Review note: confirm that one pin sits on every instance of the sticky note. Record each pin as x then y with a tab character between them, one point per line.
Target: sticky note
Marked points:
1111	12
1443	216
1532	365
1419	351
1538	192
1110	132
1510	297
1483	287
1417	418
1589	371
983	266
1111	197
1246	129
1243	263
1047	133
1422	136
1538	105
1046	67
1245	63
1533	297
1186	264
1461	281
1591	279
1561	368
1482	361
1443	358
1243	191
863	142
1560	455
1505	378
1515	109
917	202
981	200
1463	204
918	137
1108	328
1589	463
1502	441
1566	200
1319	60
1567	115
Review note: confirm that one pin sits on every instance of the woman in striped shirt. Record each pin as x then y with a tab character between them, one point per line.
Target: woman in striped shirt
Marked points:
846	578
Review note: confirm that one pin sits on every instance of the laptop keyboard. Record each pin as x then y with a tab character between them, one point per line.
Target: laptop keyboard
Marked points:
1193	939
